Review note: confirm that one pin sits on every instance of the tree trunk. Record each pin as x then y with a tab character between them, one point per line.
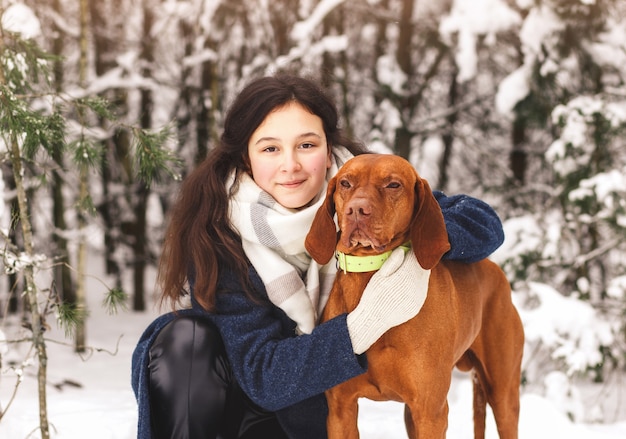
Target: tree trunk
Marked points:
32	292
403	142
81	263
334	24
62	271
403	52
379	49
140	252
448	135
15	298
518	153
140	248
403	57
206	130
182	110
36	320
104	44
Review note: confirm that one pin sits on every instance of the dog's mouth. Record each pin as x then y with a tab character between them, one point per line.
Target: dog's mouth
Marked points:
358	240
367	241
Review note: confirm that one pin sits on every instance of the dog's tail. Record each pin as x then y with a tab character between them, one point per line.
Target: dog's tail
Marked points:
480	406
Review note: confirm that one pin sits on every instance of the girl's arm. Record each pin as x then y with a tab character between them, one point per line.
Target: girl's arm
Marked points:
274	368
474	229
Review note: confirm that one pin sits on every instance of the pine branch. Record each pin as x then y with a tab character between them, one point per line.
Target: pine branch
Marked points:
69	317
153	159
115	299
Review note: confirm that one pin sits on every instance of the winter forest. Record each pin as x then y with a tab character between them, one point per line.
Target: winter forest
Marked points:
106	105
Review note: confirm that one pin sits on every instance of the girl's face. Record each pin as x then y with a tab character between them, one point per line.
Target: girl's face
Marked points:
289	155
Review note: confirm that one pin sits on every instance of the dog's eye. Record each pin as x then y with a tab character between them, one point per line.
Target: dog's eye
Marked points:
393	185
345	183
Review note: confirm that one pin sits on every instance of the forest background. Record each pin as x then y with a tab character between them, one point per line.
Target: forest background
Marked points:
105	105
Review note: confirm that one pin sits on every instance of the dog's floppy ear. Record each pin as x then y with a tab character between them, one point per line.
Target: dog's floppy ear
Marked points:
429	237
321	240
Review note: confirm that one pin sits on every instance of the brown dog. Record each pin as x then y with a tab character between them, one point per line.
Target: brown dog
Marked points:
467	321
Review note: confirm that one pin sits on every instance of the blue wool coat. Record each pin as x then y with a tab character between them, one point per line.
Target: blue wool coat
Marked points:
288	374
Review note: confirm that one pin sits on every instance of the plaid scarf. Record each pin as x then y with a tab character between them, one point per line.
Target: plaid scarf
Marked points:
273	240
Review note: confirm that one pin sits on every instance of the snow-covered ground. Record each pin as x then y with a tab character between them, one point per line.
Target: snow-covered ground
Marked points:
92	398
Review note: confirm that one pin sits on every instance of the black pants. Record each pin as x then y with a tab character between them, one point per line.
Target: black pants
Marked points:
193	394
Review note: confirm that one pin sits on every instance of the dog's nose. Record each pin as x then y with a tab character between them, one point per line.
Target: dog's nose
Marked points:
358	207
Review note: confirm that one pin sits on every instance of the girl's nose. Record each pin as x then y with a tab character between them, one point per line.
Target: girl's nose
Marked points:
291	163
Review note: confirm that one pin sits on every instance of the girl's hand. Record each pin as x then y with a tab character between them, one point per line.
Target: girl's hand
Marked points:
393	295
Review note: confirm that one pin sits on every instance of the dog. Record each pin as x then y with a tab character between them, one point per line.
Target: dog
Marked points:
468	319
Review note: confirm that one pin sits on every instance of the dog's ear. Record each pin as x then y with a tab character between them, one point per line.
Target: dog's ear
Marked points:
429	237
321	240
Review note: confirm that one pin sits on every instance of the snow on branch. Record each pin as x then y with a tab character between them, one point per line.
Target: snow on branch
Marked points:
302	30
569	327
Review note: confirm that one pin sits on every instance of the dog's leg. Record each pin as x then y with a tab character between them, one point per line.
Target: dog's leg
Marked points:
503	397
426	397
408	422
499	369
480	406
421	423
343	414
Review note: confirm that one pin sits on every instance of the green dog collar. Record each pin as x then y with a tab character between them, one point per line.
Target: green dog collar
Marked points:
363	264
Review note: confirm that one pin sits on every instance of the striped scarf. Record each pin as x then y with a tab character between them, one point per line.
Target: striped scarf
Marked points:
273	240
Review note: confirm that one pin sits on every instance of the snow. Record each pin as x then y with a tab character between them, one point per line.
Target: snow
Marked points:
305	28
513	89
389	73
609	50
617	288
19	18
468	20
537	28
604	184
575	333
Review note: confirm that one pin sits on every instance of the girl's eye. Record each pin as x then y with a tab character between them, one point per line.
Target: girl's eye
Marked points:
270	149
307	145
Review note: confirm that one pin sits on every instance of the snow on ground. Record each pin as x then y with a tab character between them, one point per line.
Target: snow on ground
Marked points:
93	398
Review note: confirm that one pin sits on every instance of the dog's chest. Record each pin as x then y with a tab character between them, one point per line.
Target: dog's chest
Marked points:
346	293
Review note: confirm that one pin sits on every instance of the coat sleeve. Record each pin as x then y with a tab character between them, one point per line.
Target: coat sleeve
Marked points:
273	366
474	229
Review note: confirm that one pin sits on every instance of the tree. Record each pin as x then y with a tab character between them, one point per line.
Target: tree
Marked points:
22	135
576	244
34	129
62	273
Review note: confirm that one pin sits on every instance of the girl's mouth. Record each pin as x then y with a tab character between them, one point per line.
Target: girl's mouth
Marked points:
292	184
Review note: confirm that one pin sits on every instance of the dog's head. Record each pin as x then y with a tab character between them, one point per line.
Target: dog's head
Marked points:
381	203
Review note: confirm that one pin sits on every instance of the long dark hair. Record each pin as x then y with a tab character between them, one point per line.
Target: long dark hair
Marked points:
200	236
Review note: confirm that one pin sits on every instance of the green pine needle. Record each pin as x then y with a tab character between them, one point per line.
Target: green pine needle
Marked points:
153	159
114	300
87	153
86	206
69	317
100	106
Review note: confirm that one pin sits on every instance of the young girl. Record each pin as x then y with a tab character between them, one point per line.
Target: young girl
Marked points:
248	359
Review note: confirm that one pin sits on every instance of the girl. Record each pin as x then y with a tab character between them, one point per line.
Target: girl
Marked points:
246	359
